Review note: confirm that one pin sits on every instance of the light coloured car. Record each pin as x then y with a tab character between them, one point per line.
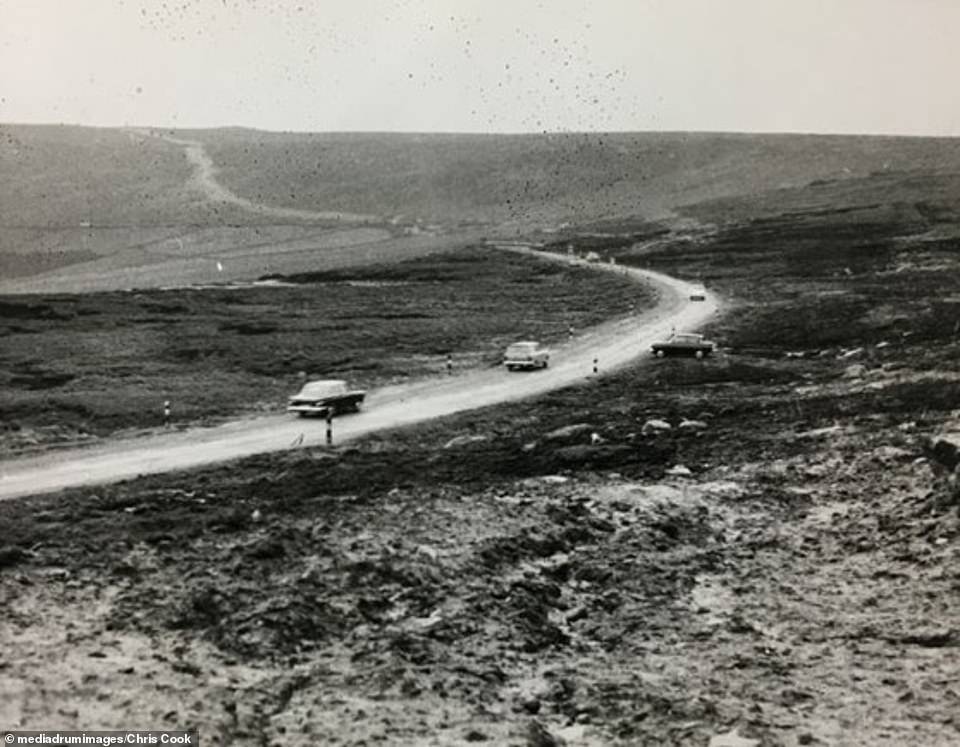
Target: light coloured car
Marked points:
325	397
526	355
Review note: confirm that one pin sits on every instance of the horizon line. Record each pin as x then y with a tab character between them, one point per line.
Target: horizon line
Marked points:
488	133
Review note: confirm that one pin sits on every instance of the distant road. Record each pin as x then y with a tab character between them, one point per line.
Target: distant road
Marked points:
612	345
293	240
205	180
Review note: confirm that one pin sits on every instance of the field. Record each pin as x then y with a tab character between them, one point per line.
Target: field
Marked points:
756	549
75	367
523	182
88	209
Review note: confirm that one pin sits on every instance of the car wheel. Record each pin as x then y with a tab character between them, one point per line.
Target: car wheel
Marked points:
659	354
545	364
699	354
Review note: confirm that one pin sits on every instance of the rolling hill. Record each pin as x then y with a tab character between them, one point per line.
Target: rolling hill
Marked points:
97	209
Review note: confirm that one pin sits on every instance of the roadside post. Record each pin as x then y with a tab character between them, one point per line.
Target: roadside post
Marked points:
166	413
449	363
596	366
329	427
570	332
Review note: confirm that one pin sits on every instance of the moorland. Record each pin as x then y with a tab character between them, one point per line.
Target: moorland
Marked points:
758	549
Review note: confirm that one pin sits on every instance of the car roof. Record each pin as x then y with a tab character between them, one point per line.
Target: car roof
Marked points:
525	343
323	385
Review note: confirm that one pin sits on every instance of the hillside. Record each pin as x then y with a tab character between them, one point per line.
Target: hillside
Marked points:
98	209
544	179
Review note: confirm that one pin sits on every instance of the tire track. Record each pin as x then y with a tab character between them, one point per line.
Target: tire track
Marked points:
205	180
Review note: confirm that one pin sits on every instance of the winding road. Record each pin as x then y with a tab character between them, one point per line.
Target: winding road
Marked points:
611	345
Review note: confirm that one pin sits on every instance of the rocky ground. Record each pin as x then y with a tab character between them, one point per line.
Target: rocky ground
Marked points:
753	550
810	598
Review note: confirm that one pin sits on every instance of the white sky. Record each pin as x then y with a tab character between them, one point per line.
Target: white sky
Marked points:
871	66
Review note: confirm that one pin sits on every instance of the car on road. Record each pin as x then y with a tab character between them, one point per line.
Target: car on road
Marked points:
684	343
698	293
325	397
526	354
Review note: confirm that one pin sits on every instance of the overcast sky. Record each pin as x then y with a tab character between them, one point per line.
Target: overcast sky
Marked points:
859	66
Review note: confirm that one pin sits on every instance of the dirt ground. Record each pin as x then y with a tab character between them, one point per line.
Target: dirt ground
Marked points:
810	599
759	549
797	586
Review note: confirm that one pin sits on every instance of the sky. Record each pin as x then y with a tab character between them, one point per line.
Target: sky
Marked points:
826	66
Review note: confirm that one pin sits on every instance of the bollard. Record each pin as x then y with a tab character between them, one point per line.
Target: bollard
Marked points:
570	332
449	364
329	427
595	366
166	412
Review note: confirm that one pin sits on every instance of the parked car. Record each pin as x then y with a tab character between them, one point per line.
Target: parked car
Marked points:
327	396
698	294
526	354
684	343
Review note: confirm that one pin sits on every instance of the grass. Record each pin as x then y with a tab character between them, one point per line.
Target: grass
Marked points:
544	179
72	195
105	200
442	576
868	261
870	286
97	363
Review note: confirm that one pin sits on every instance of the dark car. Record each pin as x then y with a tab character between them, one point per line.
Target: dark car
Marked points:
326	397
684	343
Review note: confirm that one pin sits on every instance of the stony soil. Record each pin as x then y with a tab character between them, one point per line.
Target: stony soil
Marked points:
811	598
775	563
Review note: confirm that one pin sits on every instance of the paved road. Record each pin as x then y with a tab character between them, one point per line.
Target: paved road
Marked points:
612	344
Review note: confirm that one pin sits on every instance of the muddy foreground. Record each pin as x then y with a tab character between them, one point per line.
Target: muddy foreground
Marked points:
759	549
809	599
